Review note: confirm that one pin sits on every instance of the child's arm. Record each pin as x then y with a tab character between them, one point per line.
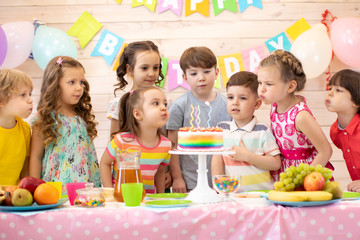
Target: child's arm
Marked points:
354	186
265	162
307	124
25	169
217	165
160	179
178	181
114	127
105	170
36	153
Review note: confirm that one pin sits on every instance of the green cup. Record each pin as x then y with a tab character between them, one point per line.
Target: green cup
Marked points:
132	193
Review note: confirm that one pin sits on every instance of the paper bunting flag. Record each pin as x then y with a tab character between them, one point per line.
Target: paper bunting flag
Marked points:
85	28
173	5
252	57
244	4
150	4
118	1
217	83
297	28
230	64
107	46
221	5
200	6
175	76
280	41
117	62
164	67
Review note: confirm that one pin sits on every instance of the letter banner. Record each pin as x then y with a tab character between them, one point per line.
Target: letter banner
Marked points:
117	62
230	64
150	4
118	1
221	5
175	78
164	67
252	57
173	5
280	41
107	46
85	28
200	6
297	28
244	4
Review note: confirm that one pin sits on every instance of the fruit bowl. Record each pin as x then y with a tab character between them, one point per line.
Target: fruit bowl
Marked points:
226	184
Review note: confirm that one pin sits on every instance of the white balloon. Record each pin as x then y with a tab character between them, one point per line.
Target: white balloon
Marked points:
313	49
20	36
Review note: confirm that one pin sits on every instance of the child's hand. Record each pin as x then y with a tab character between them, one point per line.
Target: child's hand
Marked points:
354	186
179	185
241	153
168	180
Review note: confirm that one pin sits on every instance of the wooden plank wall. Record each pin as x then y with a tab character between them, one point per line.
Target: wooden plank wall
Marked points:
226	33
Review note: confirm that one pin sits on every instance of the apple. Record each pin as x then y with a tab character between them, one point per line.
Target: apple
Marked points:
334	188
2	196
30	183
314	182
8	194
22	197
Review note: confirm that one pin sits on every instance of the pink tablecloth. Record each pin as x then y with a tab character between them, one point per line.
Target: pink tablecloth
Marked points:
213	221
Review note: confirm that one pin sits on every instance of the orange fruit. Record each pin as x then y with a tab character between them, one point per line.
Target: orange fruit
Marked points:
46	194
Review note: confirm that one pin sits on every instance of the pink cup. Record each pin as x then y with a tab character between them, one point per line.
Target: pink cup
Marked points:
71	190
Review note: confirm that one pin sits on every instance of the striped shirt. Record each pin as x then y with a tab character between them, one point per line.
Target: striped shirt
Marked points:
257	138
150	158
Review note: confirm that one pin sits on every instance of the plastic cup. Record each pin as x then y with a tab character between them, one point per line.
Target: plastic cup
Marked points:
58	186
132	193
71	190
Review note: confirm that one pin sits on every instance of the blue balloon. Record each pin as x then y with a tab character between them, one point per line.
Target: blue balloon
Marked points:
51	42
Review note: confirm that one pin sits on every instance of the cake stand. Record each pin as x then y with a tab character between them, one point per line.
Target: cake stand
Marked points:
202	193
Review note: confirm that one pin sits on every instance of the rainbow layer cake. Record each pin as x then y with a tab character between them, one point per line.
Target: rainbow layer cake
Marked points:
201	139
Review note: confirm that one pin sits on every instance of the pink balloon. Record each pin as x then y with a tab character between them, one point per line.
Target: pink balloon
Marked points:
345	39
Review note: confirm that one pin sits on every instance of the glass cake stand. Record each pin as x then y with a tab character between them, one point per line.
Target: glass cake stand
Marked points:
202	193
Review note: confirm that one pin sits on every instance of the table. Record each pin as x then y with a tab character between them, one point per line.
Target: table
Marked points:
226	220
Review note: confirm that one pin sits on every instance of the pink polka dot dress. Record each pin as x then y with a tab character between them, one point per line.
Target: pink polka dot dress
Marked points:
295	147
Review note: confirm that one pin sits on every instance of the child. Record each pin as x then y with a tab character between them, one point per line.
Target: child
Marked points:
256	151
15	103
141	61
199	71
143	113
344	99
297	133
62	147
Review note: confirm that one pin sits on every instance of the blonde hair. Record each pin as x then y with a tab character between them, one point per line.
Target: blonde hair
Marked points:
11	80
50	92
289	66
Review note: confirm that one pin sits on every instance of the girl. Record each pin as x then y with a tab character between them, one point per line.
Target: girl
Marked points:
141	61
344	98
297	133
62	148
144	112
15	103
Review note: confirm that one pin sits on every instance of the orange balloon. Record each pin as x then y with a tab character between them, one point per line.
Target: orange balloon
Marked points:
46	194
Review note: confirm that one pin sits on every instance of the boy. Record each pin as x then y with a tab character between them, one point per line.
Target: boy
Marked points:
200	72
344	98
15	103
256	151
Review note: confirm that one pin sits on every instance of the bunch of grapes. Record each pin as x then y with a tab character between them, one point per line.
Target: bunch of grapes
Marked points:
293	177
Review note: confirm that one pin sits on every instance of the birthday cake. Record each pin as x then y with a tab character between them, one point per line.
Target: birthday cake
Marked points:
200	139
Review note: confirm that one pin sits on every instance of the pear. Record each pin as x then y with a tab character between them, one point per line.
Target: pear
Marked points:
334	188
22	197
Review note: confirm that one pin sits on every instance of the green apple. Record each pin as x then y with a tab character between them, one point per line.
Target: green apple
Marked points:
22	197
334	188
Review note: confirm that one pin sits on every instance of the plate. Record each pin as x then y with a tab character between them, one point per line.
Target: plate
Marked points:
167	195
33	207
305	204
168	203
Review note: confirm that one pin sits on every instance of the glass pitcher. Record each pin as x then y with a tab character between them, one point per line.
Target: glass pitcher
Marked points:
128	170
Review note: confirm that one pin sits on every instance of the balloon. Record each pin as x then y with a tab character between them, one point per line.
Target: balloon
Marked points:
19	37
345	38
51	42
313	49
3	46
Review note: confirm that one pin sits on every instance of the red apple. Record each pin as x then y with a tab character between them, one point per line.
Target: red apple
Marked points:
30	183
314	182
